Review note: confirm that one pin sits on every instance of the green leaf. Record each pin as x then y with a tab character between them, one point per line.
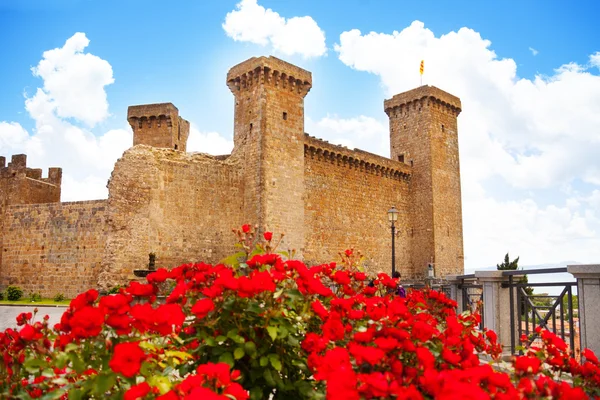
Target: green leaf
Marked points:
269	378
103	382
264	361
275	361
33	365
227	358
250	348
256	393
76	394
272	332
210	342
234	259
161	382
239	353
78	364
282	332
278	293
220	339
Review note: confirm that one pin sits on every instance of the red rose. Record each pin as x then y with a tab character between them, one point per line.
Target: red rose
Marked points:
348	252
246	228
127	359
268	236
27	333
203	307
137	392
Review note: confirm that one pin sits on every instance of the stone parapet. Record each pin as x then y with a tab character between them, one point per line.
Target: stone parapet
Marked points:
588	291
357	159
403	102
269	70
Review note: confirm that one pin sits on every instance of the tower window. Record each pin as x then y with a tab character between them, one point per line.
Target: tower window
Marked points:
401	158
284	115
175	147
411	163
443	130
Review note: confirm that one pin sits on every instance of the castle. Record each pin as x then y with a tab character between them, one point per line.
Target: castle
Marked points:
182	206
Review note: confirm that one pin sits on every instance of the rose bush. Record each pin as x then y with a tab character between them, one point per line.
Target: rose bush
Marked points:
259	326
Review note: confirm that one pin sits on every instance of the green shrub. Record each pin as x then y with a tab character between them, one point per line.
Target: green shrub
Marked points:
1	295
35	297
114	290
59	297
14	293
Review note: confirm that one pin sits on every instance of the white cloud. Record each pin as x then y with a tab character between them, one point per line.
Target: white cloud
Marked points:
74	81
532	134
73	88
361	132
73	93
251	22
209	142
595	59
533	51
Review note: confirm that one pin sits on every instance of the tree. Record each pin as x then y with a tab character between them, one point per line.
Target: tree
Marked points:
508	265
513	265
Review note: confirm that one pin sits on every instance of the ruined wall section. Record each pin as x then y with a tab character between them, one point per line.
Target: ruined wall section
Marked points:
424	134
53	248
348	195
179	206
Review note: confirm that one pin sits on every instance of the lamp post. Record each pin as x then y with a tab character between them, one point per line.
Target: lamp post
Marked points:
393	217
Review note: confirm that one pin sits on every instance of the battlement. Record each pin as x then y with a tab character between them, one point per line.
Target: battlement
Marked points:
17	167
158	125
358	159
269	70
424	96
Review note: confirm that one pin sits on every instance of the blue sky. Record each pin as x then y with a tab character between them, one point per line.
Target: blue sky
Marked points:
527	73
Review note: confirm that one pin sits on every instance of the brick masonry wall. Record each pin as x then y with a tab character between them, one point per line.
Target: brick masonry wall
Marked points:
53	248
348	195
179	206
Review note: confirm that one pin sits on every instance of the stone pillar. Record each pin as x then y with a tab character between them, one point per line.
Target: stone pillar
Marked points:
588	291
455	291
496	307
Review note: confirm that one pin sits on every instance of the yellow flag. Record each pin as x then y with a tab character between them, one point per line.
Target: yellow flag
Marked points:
422	68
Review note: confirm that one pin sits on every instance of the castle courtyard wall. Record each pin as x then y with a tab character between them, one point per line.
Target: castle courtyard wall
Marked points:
348	195
54	247
179	206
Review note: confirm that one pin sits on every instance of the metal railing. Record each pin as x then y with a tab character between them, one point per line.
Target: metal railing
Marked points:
471	296
527	314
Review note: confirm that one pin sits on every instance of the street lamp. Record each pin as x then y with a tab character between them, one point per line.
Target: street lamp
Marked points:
393	217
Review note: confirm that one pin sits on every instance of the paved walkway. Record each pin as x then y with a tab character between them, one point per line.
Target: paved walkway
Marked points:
8	314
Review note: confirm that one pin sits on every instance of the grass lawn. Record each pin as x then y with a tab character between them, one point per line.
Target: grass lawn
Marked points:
27	302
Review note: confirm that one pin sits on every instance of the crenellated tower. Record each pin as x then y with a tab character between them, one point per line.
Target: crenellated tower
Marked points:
158	125
269	136
22	185
424	135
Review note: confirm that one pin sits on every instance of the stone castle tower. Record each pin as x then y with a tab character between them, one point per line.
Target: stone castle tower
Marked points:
181	206
269	133
424	134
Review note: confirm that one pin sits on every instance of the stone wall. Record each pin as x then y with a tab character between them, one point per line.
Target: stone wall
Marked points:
179	206
54	247
348	195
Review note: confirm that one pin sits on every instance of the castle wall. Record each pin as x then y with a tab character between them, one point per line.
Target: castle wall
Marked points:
179	206
348	195
53	248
